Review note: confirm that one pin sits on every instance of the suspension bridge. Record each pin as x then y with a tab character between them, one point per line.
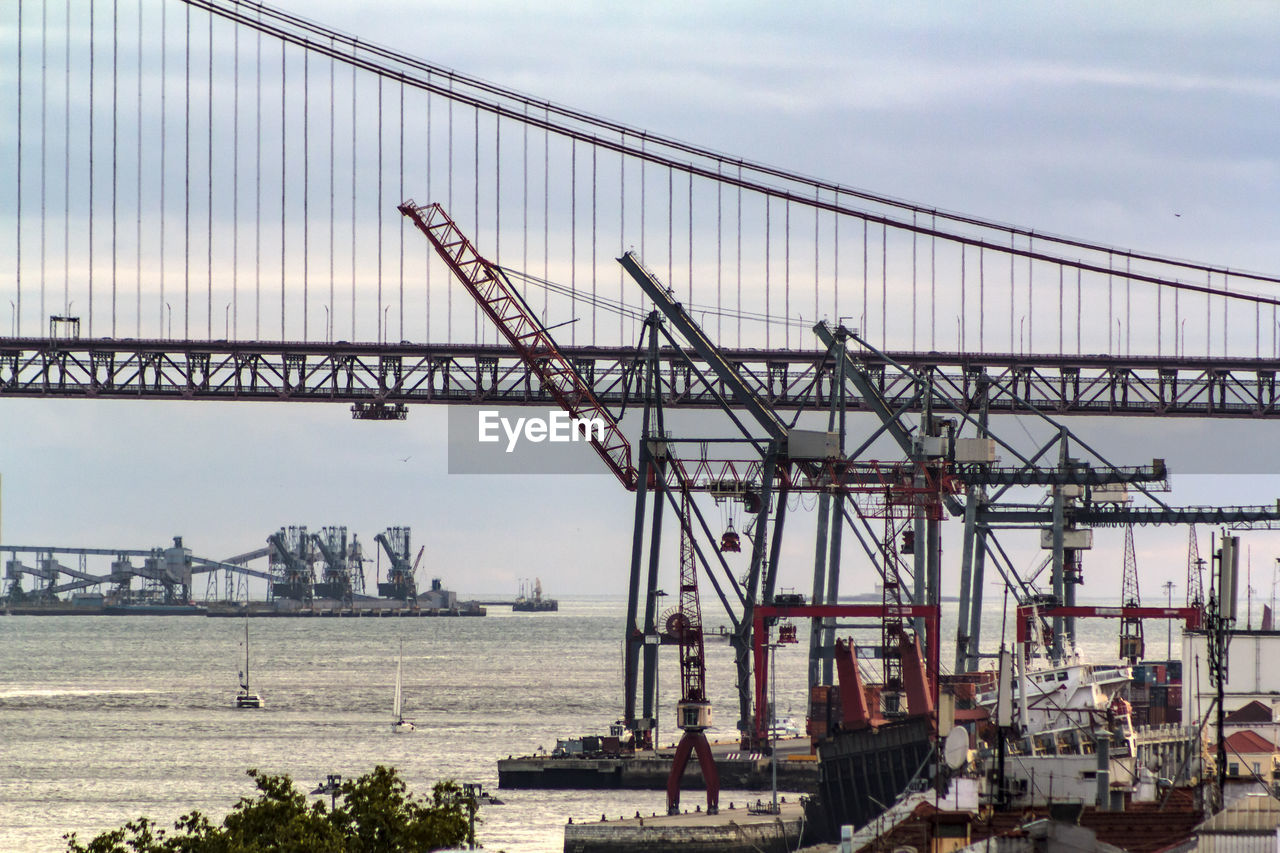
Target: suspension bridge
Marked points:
203	204
205	201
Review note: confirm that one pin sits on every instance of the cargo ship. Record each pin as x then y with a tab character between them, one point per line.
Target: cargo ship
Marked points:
531	601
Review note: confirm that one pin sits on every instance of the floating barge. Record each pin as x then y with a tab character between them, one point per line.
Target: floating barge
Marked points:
646	771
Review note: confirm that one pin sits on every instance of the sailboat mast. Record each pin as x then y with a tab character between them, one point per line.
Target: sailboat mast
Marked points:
399	667
246	654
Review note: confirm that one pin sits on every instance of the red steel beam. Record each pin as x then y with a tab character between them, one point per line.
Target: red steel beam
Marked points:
1191	616
930	613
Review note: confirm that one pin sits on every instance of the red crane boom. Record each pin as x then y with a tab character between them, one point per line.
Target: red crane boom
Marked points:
496	296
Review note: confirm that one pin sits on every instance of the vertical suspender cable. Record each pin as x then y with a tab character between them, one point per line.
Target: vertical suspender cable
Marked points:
330	320
186	183
257	207
138	199
914	235
960	320
353	193
644	212
428	251
306	191
691	237
866	284
284	138
44	100
835	260
475	115
1062	320
593	244
982	303
546	214
164	149
400	195
1031	308
884	284
235	185
622	231
382	332
572	238
1079	307
448	291
1110	318
933	283
17	311
767	246
719	253
739	256
817	195
670	231
66	172
524	193
92	123
497	188
209	200
1012	298
786	274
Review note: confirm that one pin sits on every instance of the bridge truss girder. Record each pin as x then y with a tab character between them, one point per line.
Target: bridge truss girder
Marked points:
363	373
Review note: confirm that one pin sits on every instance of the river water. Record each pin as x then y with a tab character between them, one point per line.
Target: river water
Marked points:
105	718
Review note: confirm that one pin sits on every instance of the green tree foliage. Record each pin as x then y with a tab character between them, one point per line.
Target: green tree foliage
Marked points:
373	814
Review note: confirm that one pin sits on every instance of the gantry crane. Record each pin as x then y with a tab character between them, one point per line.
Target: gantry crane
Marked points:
494	293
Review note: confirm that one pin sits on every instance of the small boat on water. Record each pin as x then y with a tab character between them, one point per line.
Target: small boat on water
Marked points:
401	725
246	698
531	600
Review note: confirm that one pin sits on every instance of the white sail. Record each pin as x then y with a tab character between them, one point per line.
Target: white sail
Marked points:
400	724
397	709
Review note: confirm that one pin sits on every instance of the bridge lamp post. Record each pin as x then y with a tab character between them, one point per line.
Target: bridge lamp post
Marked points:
13	317
170	307
328	332
226	330
385	311
1021	322
1183	338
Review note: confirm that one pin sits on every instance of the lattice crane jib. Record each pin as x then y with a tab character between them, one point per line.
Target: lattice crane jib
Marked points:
503	304
1195	569
693	710
693	671
1131	640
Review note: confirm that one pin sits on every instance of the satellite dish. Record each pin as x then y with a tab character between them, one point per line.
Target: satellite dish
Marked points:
956	748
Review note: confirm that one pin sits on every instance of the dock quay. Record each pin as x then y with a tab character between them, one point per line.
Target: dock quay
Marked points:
797	771
733	830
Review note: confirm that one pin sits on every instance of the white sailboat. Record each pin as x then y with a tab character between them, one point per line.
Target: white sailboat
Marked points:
247	698
401	725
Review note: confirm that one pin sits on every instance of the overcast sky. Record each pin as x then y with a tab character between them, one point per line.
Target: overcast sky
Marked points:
1148	126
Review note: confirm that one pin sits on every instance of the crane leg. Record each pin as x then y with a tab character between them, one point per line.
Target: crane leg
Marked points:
693	742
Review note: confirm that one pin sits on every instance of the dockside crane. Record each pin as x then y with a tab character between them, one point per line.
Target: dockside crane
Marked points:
289	547
400	582
489	285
